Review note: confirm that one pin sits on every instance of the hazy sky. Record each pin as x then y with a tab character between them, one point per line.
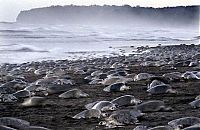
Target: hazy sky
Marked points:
9	9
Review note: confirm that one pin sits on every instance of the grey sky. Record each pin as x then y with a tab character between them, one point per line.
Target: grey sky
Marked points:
9	9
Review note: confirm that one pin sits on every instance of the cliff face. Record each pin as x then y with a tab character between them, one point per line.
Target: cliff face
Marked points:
111	14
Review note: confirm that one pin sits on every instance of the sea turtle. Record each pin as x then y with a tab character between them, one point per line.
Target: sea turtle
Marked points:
152	106
116	87
162	88
130	76
101	105
189	76
91	113
197	74
3	127
198	97
120	118
33	101
181	63
142	76
195	103
31	87
126	100
167	66
154	83
73	93
64	81
45	81
15	84
193	64
141	127
7	98
101	76
4	89
95	81
193	127
14	122
184	122
173	76
22	94
112	80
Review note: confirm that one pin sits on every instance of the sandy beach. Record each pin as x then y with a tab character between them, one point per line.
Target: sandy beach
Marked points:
56	113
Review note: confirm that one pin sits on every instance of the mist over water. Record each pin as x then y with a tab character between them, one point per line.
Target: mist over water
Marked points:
27	42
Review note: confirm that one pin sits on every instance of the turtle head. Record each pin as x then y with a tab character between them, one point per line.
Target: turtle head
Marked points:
82	94
198	97
124	87
178	127
103	123
112	108
105	115
136	101
106	89
109	108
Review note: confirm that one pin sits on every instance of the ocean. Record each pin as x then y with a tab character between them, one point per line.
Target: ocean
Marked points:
25	42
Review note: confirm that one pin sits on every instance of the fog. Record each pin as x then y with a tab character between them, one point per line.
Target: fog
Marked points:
73	32
115	15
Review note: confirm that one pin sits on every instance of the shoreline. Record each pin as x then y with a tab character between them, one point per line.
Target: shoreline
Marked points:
127	51
57	113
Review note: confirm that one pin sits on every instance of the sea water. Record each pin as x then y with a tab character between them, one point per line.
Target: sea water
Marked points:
25	42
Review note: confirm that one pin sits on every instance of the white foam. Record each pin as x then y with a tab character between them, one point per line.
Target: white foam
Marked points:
39	42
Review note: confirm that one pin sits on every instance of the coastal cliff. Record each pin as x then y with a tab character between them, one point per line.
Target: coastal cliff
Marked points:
181	15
